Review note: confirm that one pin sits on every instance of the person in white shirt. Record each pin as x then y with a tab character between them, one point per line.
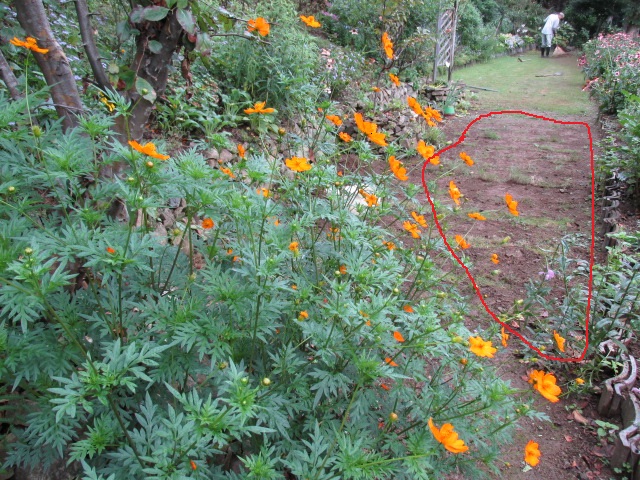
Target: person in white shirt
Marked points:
551	25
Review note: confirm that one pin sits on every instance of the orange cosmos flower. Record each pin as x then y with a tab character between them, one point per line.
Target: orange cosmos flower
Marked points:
390	362
545	384
427	152
378	139
384	386
260	25
375	89
412	228
420	219
110	250
303	315
387	45
448	437
193	465
512	205
532	453
241	151
559	341
394	79
310	21
343	269
207	224
228	172
364	127
335	119
263	191
462	243
148	149
454	192
432	114
370	129
398	336
466	158
476	216
579	381
494	258
30	43
481	348
504	337
258	107
389	245
293	246
370	198
398	170
415	106
408	308
345	137
298	164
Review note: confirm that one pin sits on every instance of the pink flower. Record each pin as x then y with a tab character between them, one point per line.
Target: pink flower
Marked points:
548	275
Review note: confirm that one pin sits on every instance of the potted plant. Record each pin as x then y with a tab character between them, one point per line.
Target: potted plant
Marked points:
449	104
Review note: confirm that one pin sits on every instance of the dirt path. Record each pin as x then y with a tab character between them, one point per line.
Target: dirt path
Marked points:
546	167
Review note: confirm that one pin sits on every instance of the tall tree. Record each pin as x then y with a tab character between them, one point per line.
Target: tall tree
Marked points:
54	65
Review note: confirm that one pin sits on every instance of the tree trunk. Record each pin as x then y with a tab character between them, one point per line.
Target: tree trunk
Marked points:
9	78
54	65
153	67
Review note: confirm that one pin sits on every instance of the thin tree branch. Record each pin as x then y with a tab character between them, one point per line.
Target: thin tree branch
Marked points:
9	78
89	43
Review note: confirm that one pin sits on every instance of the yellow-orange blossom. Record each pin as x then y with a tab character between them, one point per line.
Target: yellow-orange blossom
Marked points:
448	437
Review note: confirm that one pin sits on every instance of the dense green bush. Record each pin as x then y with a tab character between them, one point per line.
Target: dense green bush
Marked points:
612	65
621	149
282	68
411	25
273	328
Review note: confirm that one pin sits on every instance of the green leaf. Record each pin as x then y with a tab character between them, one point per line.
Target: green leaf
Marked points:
153	14
155	46
186	20
226	21
128	76
124	30
145	89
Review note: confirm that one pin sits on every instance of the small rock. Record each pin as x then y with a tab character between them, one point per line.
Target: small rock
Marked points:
167	218
225	156
212	154
161	233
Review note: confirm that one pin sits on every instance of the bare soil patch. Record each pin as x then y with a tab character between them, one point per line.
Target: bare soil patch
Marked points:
546	167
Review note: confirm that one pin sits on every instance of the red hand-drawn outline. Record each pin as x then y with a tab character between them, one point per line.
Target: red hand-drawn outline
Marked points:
466	269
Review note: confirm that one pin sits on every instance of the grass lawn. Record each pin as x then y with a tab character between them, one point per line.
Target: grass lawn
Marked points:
520	89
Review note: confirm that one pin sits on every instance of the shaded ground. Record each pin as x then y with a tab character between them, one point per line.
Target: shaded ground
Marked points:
546	169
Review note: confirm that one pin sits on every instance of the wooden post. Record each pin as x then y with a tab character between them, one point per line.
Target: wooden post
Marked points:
452	50
437	50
